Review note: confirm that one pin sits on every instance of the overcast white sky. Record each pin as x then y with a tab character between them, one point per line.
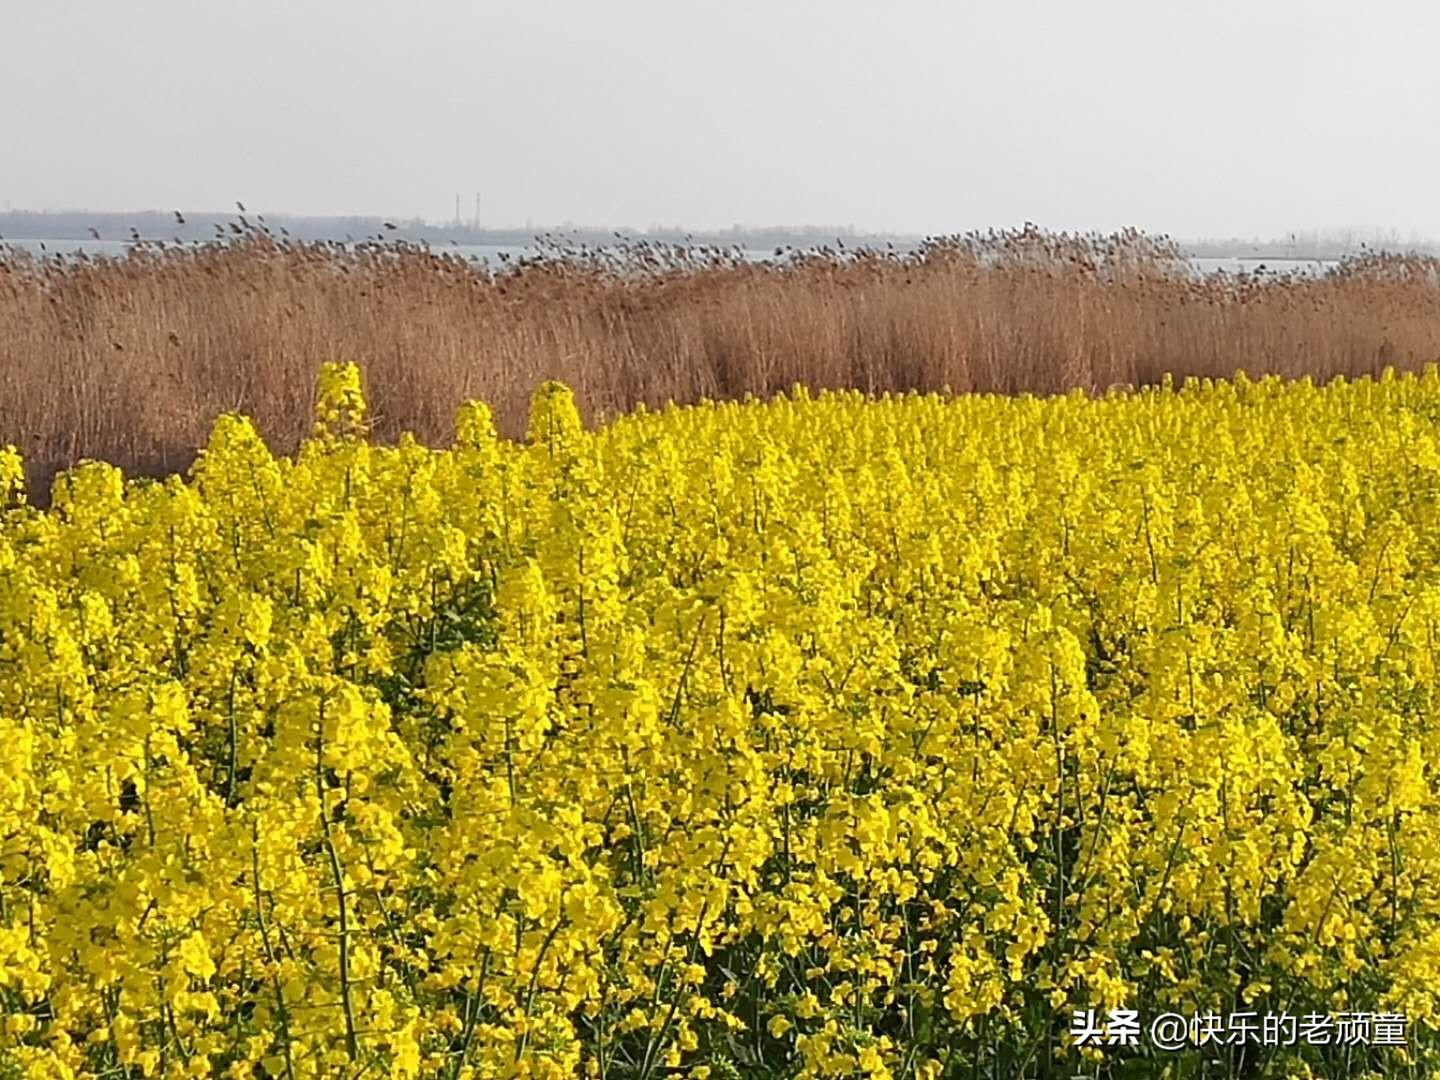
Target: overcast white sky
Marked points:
1193	117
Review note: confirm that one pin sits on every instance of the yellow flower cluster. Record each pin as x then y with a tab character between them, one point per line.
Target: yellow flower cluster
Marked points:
819	737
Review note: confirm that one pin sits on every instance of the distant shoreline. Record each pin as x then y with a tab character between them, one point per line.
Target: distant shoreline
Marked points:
73	226
196	227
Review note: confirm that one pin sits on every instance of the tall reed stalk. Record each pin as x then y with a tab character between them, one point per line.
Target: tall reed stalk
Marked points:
129	360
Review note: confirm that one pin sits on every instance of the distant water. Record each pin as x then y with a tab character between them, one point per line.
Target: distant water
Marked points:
497	255
1269	266
489	253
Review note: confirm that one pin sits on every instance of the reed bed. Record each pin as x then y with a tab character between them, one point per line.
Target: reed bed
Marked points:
129	360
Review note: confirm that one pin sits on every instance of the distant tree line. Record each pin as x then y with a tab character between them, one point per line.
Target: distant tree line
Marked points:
1315	244
195	227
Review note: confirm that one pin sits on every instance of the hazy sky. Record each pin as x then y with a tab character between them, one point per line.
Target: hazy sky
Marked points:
1194	117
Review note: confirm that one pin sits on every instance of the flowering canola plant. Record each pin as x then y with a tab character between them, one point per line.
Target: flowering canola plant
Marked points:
826	736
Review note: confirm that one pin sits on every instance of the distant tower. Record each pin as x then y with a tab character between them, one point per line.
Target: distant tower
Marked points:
457	208
477	210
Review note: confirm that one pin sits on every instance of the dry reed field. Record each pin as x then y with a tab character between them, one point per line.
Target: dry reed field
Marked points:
129	360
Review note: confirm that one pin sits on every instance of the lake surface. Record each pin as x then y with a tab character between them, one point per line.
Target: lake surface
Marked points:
1250	264
496	255
117	248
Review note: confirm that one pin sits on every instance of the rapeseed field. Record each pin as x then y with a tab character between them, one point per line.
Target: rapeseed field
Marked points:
822	736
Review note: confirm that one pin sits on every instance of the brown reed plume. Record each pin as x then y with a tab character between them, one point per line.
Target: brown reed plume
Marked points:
130	360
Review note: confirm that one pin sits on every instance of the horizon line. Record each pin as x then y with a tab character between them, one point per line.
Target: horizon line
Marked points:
1353	233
